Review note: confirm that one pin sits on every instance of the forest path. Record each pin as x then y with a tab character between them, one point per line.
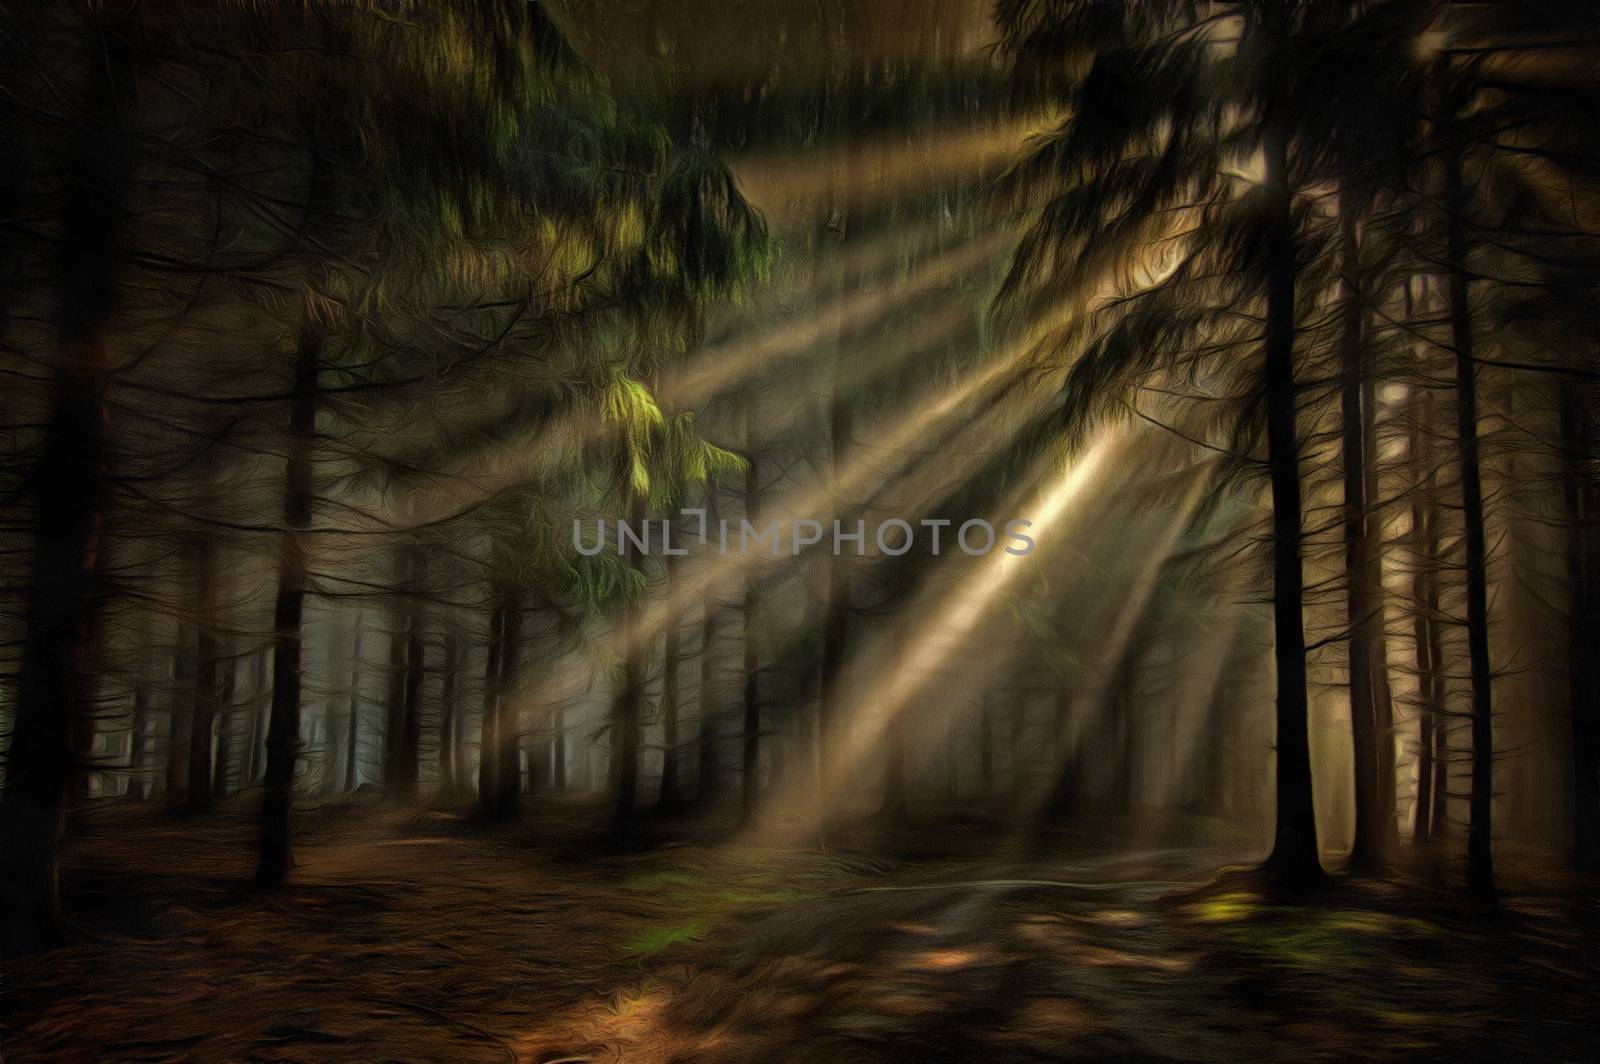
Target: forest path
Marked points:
423	936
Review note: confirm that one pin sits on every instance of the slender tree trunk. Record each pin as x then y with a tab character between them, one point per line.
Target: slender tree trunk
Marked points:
230	682
628	703
1425	619
1019	752
352	727
1064	787
1582	493
841	413
1370	851
178	727
62	599
283	728
259	699
1372	574
669	800
203	704
489	728
1293	863
985	748
707	777
508	729
447	716
751	779
402	731
1480	854
136	740
407	760
558	739
1122	706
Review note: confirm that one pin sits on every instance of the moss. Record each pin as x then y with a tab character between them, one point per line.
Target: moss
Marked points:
657	938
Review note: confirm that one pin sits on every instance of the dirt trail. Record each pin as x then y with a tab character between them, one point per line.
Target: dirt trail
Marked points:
424	937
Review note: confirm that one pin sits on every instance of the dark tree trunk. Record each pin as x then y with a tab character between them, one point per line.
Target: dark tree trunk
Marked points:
182	704
203	705
407	761
627	705
707	776
136	739
669	800
1128	738
508	728
352	727
230	683
405	678
489	727
1480	853
751	779
259	700
1582	492
558	753
62	599
1063	799
1425	623
447	716
1293	863
985	748
283	727
1370	851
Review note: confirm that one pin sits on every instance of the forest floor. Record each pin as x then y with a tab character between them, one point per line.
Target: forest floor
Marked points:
425	936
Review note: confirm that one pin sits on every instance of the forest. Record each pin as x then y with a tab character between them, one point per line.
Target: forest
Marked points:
561	531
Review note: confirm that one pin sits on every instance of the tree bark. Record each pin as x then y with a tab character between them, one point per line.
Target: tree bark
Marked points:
489	726
1582	494
230	682
1293	863
352	727
1480	851
751	765
626	707
283	727
508	726
1425	622
1370	850
669	800
203	704
447	716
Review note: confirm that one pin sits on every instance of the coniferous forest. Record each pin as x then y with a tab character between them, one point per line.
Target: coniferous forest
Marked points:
799	530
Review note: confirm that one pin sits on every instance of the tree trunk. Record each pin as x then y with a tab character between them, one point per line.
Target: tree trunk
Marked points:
1293	862
751	779
1425	622
259	696
628	703
707	776
136	738
62	599
203	705
1582	493
669	800
1480	855
352	727
508	727
1370	850
447	716
407	760
230	682
406	662
489	726
283	728
1062	801
178	727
